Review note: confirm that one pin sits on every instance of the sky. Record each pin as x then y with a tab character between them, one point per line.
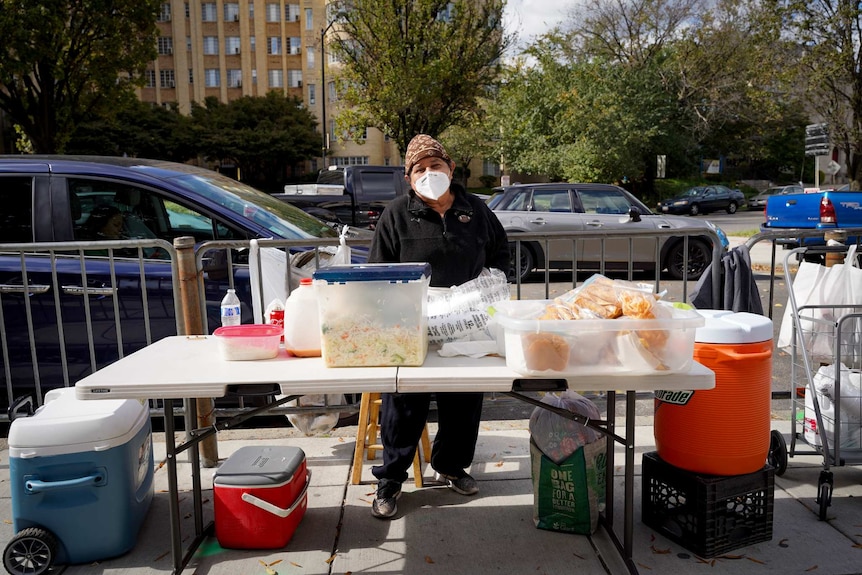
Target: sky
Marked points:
531	18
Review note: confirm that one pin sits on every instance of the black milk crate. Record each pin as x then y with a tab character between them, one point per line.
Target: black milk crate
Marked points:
707	514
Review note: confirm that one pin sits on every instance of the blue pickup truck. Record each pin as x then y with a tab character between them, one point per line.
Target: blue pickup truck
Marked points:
823	210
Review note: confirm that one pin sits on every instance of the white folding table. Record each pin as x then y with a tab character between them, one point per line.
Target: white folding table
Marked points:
187	367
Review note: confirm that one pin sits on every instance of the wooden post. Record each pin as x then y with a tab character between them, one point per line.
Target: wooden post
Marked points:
835	257
190	278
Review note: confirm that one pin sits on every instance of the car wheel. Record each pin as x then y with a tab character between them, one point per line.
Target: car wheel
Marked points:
699	257
731	208
524	267
694	210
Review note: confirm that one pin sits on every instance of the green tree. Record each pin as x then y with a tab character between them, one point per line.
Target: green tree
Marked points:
61	61
415	66
265	137
827	61
137	129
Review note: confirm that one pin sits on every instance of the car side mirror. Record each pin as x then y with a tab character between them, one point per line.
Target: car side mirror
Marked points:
634	214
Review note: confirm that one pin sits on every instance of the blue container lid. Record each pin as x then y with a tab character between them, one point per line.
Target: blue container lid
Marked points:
374	272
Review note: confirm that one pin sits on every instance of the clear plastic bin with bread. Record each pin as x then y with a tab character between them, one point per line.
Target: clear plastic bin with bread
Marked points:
604	326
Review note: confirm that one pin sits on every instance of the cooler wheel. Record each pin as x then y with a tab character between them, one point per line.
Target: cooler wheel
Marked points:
31	552
777	456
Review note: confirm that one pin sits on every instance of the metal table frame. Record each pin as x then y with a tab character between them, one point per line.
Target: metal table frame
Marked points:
189	367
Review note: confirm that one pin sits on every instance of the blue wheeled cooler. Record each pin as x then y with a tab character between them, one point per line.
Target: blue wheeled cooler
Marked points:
81	476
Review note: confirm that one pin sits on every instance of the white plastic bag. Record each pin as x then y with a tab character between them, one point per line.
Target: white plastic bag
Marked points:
460	312
814	285
315	423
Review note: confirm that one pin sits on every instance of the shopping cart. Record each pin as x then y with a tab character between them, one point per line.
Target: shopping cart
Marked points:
826	376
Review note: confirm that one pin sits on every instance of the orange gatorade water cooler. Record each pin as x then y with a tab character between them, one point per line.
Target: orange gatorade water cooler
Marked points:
725	430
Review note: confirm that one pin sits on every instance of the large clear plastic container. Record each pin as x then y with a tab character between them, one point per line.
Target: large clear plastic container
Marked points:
373	314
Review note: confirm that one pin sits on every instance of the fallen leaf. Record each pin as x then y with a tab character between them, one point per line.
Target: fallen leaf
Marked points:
644	566
731	556
296	564
578	556
163	555
753	560
429	560
271	571
7	522
812	568
659	551
499	464
276	562
331	559
783	543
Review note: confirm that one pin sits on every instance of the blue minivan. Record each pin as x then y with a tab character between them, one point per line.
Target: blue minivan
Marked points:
49	335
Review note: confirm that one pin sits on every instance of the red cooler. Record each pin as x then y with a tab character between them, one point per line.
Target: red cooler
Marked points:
260	497
725	430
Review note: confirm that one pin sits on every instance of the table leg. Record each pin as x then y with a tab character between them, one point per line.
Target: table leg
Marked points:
173	490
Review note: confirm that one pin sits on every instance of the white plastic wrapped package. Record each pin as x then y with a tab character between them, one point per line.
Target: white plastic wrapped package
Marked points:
460	312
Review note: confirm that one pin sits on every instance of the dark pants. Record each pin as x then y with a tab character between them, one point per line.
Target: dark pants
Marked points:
402	419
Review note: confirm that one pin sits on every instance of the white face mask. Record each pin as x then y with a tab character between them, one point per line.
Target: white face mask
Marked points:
432	185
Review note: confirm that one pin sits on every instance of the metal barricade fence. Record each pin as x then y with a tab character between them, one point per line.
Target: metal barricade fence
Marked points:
54	331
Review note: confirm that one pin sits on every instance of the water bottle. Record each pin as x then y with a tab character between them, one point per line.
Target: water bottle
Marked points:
231	312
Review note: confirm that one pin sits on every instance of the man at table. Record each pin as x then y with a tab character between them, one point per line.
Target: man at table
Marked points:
440	223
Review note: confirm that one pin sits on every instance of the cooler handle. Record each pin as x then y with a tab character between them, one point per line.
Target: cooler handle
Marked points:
274	509
732	355
39	486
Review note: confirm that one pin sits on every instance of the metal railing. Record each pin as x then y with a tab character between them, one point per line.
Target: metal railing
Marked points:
50	268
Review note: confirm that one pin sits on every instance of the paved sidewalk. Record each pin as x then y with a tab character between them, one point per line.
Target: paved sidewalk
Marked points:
437	531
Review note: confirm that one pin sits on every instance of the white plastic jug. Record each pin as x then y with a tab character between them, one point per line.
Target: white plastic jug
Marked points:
302	321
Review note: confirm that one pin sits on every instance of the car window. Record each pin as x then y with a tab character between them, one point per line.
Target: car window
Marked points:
517	202
603	202
143	214
551	201
16	217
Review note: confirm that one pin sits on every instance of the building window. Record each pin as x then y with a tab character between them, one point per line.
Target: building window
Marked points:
309	56
188	43
490	168
349	161
276	79
254	77
166	45
251	10
208	12
273	45
191	76
234	78
291	12
231	45
273	13
294	78
212	79
312	94
231	12
188	11
165	12
150	81
252	42
309	19
211	45
332	95
166	78
295	45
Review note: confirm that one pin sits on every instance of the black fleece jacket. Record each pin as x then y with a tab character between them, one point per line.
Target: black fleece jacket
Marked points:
468	238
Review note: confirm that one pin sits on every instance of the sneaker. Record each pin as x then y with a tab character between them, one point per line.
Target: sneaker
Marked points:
385	502
462	483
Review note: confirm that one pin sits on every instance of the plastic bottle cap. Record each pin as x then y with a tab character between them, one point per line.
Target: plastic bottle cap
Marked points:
305	281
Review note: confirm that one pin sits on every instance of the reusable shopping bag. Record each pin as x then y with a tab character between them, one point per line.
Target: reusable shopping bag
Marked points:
567	461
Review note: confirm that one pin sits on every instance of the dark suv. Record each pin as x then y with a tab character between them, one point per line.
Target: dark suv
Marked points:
51	325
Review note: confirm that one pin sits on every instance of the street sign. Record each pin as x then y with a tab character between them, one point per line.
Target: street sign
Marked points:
817	140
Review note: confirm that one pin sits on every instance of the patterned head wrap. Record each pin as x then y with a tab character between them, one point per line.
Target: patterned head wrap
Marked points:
423	146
